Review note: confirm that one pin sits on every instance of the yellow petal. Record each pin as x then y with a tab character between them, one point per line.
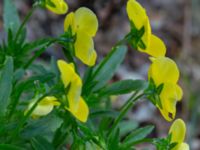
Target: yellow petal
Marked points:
74	92
44	107
156	47
70	22
147	34
49	100
86	21
61	7
166	115
82	111
69	77
179	92
136	13
168	99
163	70
84	49
182	146
67	72
178	130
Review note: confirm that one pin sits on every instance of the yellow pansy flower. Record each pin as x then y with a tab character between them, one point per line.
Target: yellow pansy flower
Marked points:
77	105
164	71
177	131
154	46
44	107
84	24
56	6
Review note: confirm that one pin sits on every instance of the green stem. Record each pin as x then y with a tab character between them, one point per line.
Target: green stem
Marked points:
70	58
25	21
125	108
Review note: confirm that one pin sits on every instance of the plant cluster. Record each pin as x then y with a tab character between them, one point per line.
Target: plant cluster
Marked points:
54	106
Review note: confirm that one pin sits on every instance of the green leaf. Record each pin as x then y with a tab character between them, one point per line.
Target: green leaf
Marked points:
113	140
127	126
10	147
124	87
40	143
108	66
6	77
18	74
34	45
10	16
50	3
44	126
137	135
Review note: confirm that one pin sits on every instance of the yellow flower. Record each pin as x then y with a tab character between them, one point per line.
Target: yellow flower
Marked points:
44	107
164	71
57	6
70	79
154	46
178	130
84	25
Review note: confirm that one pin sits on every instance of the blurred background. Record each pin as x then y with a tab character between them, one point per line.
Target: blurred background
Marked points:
177	22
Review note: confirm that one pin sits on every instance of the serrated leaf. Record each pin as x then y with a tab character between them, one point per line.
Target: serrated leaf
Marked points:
108	66
10	16
124	87
6	77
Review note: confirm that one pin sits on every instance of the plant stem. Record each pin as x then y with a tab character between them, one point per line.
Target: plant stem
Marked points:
70	58
125	108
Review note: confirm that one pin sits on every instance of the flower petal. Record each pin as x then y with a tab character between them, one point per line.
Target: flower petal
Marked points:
44	107
156	47
86	20
70	22
60	7
136	13
169	99
178	130
66	71
82	112
84	49
74	92
163	70
166	115
183	146
179	92
69	77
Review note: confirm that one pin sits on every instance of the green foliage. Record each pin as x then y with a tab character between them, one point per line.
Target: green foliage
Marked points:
137	136
10	16
10	147
105	70
164	143
124	87
6	77
153	93
23	81
40	143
